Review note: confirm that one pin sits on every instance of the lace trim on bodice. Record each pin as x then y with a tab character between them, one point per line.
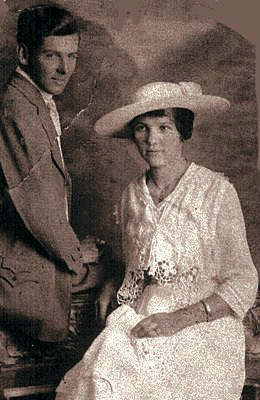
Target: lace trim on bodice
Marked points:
169	245
164	273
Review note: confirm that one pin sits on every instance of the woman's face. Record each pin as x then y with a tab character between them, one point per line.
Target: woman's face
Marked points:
158	140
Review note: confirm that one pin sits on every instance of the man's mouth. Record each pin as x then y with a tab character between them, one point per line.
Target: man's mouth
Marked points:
59	81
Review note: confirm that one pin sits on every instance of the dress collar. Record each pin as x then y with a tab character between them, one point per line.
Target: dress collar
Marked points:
171	195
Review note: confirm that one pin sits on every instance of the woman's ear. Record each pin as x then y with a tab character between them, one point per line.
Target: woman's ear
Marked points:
22	53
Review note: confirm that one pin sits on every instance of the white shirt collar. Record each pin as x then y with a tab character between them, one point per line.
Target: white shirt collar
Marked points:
46	96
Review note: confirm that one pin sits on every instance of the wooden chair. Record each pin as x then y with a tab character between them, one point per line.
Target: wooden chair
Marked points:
33	370
252	330
36	371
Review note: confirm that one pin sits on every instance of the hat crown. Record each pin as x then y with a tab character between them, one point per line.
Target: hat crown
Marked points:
156	96
158	90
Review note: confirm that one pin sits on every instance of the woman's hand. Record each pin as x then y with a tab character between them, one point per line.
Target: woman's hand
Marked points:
161	324
167	324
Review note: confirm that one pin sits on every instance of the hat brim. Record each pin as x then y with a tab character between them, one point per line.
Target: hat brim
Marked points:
115	121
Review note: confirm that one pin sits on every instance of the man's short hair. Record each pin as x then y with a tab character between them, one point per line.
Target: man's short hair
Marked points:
37	22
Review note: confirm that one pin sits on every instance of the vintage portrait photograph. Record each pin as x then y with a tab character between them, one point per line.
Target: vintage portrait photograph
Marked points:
129	200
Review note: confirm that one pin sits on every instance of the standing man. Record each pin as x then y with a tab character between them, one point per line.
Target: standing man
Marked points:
40	256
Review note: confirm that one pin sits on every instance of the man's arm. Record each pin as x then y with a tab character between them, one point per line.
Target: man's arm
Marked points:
35	184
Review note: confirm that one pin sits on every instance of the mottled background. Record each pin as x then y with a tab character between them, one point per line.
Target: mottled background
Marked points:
128	43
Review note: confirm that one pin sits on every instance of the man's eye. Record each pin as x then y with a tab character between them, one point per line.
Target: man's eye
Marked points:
73	56
49	55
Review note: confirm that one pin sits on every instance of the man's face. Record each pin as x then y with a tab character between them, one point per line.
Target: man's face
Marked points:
54	63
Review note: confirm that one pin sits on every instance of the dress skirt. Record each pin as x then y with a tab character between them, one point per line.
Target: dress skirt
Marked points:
201	362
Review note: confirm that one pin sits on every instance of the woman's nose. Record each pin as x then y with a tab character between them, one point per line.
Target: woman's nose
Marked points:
152	136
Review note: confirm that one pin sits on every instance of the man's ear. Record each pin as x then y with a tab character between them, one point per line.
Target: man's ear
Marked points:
22	53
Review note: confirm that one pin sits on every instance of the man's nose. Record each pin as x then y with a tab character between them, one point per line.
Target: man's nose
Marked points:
63	67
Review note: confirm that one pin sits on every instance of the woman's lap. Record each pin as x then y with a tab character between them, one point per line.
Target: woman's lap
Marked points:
203	358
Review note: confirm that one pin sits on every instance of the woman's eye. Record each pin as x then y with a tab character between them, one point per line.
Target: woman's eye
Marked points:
164	128
140	128
167	128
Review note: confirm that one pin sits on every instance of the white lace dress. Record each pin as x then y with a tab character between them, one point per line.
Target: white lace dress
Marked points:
191	245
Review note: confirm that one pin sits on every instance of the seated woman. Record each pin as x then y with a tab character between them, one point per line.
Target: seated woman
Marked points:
189	278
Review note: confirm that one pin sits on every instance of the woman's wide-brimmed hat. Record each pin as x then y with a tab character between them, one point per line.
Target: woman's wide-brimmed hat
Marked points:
160	95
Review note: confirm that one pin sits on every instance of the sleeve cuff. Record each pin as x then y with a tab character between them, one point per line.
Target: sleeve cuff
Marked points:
74	260
233	300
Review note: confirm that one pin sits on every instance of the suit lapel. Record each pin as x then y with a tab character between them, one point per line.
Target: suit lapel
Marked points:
35	97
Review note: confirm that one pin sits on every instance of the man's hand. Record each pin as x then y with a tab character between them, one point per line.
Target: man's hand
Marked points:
86	276
107	301
89	251
79	278
93	270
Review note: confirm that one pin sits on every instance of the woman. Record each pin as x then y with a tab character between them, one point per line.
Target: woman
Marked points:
189	279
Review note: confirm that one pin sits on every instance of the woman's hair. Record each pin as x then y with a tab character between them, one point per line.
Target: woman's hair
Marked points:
182	117
37	22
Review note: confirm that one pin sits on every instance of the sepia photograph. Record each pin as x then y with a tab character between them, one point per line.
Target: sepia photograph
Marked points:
129	200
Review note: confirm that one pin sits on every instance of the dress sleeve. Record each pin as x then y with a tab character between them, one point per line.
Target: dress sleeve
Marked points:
238	275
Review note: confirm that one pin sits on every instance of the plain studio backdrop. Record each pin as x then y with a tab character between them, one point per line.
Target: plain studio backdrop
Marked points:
126	43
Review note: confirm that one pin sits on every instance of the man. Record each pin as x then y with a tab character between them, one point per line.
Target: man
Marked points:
40	255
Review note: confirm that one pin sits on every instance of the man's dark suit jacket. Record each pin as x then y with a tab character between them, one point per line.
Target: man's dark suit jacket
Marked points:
38	247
